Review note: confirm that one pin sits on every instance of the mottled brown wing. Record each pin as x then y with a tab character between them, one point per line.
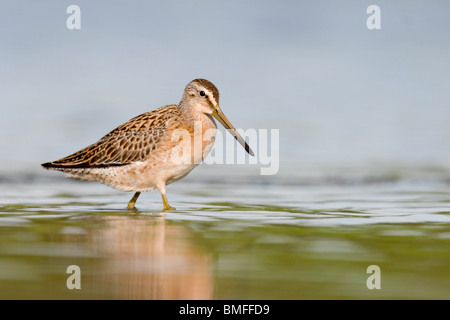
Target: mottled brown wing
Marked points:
133	141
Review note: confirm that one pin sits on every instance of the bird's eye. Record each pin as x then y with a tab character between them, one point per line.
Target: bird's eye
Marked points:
202	93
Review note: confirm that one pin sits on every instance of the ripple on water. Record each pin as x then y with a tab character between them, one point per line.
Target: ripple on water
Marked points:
313	239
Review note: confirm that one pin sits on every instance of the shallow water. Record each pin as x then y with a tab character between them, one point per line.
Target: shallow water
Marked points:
339	93
232	236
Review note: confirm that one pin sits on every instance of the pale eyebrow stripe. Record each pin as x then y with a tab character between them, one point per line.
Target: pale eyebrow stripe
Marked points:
211	97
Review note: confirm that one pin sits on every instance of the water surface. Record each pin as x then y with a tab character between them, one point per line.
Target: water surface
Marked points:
231	237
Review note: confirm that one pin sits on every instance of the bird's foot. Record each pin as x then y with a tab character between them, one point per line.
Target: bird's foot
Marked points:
168	208
132	202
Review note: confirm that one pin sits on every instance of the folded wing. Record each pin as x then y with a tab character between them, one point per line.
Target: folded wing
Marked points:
133	141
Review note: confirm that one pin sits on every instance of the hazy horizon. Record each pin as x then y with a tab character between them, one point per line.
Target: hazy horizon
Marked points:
339	93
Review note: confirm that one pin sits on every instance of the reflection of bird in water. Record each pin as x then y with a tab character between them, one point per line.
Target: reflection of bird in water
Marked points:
146	258
138	155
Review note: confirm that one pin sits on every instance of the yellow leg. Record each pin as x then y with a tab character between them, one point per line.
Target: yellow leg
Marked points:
133	201
166	203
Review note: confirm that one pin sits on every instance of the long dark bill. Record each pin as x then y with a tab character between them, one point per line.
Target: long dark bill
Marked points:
218	114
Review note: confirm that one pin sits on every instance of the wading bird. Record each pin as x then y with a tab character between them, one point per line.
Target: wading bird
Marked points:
139	155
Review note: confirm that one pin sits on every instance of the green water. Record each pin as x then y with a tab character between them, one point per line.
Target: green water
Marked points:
235	238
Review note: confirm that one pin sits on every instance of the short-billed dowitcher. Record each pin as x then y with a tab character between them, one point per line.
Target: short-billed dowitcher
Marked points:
139	155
